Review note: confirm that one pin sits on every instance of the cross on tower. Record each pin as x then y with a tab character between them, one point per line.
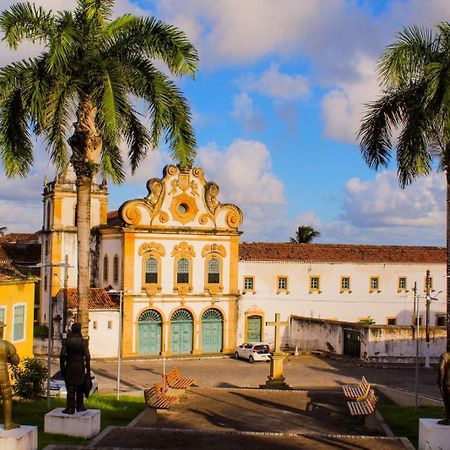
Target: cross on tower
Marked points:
277	324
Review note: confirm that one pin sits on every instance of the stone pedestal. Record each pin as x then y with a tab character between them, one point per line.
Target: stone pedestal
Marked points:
84	424
276	379
23	438
433	436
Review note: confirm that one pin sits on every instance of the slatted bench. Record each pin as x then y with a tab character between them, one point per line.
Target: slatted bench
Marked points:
155	398
364	407
175	381
357	392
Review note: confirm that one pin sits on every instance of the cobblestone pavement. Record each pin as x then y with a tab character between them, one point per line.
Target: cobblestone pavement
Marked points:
301	372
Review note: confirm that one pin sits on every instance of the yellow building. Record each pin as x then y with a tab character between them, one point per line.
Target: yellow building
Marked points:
16	306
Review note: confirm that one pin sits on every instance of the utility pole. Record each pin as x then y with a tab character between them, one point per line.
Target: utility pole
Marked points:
427	318
416	318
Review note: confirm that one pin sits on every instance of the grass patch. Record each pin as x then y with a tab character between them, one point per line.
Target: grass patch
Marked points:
404	421
113	412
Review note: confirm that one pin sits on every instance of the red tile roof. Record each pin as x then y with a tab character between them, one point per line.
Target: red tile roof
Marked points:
19	237
340	253
98	299
113	218
7	270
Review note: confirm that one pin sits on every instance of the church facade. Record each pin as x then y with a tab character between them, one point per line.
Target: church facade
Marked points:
188	284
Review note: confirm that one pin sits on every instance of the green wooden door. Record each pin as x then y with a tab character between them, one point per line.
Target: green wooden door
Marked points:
352	343
212	325
254	329
149	333
181	332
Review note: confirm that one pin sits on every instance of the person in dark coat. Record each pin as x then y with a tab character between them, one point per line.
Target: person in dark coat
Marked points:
444	385
75	367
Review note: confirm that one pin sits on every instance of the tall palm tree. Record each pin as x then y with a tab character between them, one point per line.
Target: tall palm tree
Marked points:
92	72
415	74
304	235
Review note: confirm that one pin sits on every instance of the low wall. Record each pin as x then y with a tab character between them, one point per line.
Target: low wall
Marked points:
378	343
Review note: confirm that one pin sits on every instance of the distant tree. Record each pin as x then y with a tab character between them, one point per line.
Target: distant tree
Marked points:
304	235
415	104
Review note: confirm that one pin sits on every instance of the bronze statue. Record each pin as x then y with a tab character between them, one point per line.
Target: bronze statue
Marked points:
75	367
8	354
444	385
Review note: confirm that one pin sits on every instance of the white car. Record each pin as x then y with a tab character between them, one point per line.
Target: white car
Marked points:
58	386
253	351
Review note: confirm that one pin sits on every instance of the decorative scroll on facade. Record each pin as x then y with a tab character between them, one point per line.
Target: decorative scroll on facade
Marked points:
181	198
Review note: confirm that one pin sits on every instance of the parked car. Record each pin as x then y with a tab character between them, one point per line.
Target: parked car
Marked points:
58	386
253	351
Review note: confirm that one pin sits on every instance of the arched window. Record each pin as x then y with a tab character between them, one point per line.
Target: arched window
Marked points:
213	271
183	271
105	268
151	271
115	269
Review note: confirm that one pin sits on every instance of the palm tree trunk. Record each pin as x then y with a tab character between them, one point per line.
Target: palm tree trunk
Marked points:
84	238
447	174
86	145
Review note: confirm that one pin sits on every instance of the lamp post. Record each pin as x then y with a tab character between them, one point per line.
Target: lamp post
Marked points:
119	341
50	323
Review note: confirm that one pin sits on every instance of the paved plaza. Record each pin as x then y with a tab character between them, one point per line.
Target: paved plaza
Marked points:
226	410
304	371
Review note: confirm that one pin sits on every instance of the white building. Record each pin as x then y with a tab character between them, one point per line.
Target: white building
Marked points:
190	286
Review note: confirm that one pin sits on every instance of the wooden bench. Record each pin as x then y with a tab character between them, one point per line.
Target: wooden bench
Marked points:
175	381
155	398
357	392
364	407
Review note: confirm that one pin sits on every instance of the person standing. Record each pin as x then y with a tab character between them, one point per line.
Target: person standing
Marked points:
444	385
75	367
8	354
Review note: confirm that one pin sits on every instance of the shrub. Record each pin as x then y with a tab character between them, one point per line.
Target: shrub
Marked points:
40	331
28	378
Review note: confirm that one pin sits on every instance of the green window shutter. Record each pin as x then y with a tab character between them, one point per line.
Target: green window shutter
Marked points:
19	322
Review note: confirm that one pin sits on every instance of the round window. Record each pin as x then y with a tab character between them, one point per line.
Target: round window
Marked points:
183	208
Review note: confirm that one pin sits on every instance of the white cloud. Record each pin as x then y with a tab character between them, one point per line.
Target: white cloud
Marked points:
343	107
244	175
245	113
275	84
380	212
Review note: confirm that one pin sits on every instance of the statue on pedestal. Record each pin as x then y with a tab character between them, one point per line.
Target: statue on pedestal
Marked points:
75	367
8	354
444	385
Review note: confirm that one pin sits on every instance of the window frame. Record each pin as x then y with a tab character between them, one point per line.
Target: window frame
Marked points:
116	269
286	288
317	288
248	277
24	321
152	288
105	268
371	288
341	287
390	318
404	288
213	288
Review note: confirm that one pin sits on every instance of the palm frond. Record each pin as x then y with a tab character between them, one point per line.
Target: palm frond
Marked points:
112	161
96	10
15	143
376	129
26	21
156	40
403	61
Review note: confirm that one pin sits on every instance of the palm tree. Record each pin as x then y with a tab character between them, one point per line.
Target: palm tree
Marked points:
415	74
304	235
91	71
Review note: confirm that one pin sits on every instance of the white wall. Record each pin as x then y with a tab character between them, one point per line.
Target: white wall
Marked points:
103	341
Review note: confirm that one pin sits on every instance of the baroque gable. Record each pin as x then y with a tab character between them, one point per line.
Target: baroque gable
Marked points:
182	198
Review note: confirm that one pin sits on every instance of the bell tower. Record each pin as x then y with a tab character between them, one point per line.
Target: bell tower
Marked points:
59	234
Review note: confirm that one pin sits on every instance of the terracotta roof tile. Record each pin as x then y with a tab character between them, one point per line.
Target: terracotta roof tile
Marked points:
19	237
113	218
98	299
340	253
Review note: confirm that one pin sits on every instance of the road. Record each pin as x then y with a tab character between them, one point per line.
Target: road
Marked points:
304	371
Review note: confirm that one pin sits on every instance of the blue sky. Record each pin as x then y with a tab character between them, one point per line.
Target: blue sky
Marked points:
276	104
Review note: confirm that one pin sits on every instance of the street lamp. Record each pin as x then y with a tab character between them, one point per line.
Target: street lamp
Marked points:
50	322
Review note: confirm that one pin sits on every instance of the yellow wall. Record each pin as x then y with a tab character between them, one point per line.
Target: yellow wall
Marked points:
15	293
